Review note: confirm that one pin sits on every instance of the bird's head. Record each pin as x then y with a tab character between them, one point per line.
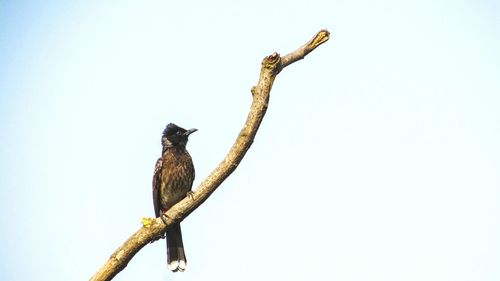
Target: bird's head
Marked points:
175	136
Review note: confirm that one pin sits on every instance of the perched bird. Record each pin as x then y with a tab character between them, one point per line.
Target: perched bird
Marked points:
172	181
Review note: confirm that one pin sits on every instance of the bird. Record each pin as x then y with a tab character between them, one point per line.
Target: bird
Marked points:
172	181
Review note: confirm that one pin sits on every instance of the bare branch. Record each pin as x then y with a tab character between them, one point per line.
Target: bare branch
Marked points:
321	37
271	66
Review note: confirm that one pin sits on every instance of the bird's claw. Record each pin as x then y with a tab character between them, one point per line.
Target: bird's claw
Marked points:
163	236
190	194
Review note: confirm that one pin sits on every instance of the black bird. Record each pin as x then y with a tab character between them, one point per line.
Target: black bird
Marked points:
172	181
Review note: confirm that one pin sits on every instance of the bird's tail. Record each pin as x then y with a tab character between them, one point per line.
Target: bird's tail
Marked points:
176	259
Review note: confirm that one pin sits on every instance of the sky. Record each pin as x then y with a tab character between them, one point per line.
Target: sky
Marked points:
378	158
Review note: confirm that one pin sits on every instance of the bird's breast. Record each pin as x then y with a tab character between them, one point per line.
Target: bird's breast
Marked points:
176	178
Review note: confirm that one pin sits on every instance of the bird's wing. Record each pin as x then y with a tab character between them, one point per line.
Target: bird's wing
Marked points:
156	186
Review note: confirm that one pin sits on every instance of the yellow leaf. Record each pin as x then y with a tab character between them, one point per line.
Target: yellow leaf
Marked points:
147	222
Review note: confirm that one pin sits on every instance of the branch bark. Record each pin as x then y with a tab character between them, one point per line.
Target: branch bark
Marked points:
271	66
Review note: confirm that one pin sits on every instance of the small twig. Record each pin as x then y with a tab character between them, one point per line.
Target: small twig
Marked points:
271	66
321	37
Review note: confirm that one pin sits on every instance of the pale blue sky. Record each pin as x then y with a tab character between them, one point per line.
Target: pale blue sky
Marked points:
378	159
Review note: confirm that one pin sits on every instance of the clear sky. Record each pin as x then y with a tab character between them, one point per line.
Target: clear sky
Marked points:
378	159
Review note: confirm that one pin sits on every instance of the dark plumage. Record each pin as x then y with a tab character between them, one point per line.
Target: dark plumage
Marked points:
173	178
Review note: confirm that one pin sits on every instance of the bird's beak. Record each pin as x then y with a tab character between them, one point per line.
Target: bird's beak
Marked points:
190	131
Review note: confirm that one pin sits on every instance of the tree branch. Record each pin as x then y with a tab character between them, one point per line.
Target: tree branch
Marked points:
271	66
